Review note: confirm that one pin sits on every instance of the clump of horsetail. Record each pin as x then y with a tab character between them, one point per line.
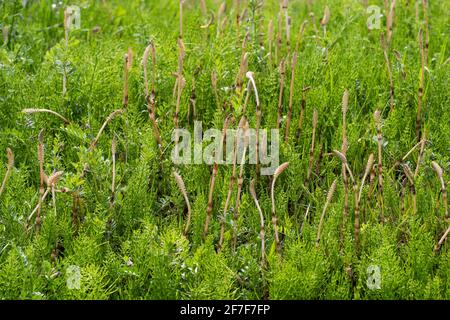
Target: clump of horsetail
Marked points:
150	96
10	156
231	183
388	66
111	116
33	110
302	112
277	173
421	84
261	216
245	141
377	118
183	191
327	202
313	142
218	156
113	182
440	175
282	70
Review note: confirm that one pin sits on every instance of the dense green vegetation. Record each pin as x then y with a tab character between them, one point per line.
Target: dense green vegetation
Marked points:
127	240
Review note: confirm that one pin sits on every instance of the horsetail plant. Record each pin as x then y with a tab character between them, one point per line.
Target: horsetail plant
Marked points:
261	216
10	165
291	96
183	191
327	202
277	173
